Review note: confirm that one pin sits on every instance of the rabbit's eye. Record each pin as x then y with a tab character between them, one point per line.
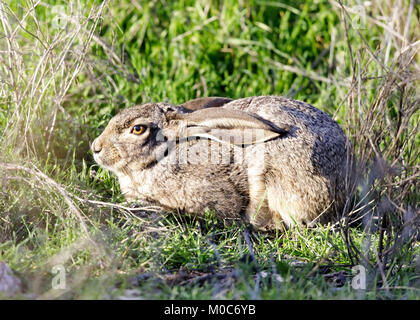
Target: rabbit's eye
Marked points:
138	129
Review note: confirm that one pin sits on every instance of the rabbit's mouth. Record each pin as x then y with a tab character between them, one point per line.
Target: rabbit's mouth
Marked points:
109	159
97	159
103	155
115	166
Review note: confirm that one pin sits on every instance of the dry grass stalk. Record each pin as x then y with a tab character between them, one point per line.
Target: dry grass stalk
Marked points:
385	132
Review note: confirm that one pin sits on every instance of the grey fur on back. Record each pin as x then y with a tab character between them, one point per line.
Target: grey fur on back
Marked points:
309	162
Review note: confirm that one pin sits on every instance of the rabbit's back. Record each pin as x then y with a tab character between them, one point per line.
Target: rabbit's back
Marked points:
312	133
304	170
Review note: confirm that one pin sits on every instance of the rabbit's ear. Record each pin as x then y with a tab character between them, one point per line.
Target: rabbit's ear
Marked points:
228	126
202	103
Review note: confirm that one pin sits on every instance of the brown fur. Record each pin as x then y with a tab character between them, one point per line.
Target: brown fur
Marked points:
295	175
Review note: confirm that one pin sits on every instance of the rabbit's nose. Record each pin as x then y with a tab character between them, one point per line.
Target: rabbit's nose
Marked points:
96	146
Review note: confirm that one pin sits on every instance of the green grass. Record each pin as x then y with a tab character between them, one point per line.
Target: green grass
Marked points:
57	207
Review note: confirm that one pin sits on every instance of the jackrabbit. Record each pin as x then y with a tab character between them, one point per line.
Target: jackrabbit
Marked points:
268	160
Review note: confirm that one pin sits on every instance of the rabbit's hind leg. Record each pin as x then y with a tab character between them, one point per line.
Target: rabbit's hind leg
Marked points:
259	213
